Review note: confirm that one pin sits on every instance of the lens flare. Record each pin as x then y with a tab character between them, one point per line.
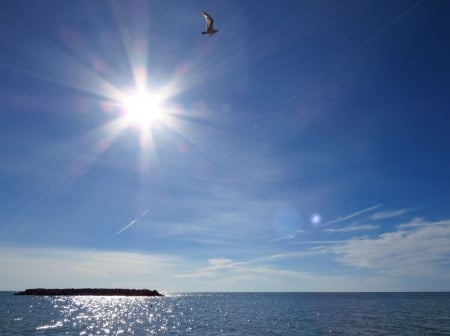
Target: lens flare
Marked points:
315	219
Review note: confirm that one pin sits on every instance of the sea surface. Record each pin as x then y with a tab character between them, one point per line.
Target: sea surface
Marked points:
230	314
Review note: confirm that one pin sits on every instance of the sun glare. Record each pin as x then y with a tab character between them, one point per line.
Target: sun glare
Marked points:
142	109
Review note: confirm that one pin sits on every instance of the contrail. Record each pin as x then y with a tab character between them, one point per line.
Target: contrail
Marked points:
381	31
130	224
341	219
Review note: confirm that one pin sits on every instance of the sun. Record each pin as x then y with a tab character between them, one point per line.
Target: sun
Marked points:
142	109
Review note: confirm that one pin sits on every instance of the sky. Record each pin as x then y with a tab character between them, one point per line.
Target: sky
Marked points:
303	147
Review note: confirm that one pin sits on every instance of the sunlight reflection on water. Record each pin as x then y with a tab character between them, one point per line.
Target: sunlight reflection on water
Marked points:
229	314
113	315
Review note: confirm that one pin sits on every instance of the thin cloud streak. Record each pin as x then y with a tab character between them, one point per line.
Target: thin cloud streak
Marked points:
352	228
420	222
319	242
389	214
216	264
357	213
134	221
227	275
382	31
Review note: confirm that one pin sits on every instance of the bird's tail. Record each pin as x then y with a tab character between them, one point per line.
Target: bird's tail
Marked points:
203	33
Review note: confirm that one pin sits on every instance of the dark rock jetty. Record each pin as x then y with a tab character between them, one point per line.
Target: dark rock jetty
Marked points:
90	291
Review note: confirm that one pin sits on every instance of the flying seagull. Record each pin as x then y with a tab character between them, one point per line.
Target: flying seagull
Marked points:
209	24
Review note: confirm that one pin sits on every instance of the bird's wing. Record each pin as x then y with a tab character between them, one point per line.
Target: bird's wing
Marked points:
209	20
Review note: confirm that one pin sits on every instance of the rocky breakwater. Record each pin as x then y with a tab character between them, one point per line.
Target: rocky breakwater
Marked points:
89	292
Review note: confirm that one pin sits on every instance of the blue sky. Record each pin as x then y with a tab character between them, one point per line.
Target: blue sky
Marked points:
304	147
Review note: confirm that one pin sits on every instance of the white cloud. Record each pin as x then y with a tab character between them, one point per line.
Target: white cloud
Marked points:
354	214
420	222
389	214
254	275
423	249
25	267
282	238
131	223
417	250
352	228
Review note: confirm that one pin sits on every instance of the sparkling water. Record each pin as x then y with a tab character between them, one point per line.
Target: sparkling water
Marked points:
228	314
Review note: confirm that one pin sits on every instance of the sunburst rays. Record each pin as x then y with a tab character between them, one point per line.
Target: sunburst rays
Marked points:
70	63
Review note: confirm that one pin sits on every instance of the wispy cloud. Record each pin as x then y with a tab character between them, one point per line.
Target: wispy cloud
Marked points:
389	214
282	238
352	228
63	267
134	221
252	275
354	214
319	242
216	264
423	249
420	222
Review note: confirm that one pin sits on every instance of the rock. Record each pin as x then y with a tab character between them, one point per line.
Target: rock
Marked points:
90	291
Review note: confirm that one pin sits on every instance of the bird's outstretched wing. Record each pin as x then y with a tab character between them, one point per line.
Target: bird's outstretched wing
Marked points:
209	21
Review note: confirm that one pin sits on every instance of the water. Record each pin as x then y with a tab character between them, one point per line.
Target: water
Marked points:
229	314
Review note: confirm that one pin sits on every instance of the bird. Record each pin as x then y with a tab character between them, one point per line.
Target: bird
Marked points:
209	24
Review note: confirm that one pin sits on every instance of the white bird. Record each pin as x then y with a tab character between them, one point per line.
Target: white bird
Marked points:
209	24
